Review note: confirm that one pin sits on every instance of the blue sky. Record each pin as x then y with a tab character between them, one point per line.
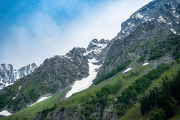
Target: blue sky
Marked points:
33	30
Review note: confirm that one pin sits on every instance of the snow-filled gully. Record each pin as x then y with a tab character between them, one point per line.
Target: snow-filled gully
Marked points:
85	82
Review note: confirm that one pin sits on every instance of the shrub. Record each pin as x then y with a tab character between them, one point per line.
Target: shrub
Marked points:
62	108
141	59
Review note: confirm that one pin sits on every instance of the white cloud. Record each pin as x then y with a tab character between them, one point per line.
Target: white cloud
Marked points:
40	37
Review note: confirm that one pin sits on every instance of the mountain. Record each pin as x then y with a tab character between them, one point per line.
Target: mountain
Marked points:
151	36
127	67
8	75
55	74
146	29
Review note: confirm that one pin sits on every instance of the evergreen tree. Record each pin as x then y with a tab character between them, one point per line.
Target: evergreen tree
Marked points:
166	78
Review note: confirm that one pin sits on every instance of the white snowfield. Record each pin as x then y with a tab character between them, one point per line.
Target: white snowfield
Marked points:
5	113
127	70
85	82
145	64
41	99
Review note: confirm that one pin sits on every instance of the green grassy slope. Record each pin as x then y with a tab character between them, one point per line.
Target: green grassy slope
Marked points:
31	112
133	113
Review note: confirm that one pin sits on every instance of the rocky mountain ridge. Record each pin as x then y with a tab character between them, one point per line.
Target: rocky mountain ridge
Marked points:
155	22
8	75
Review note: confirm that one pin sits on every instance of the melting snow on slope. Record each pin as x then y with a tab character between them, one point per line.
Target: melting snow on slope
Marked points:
161	19
15	96
41	99
138	15
97	50
7	84
87	53
145	64
172	30
127	70
85	82
5	113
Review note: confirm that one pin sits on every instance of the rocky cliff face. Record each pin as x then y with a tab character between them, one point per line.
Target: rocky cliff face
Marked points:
81	112
146	29
98	50
26	70
8	75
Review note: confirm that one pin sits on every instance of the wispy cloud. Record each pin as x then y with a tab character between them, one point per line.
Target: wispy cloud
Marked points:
42	35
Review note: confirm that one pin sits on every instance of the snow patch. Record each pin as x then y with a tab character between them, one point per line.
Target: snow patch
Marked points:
85	82
169	23
147	18
161	19
138	15
7	84
15	96
5	113
96	50
87	53
145	64
127	70
41	99
172	30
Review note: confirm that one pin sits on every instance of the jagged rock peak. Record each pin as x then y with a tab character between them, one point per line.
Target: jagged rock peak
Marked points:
103	41
8	75
96	44
76	51
26	70
6	66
